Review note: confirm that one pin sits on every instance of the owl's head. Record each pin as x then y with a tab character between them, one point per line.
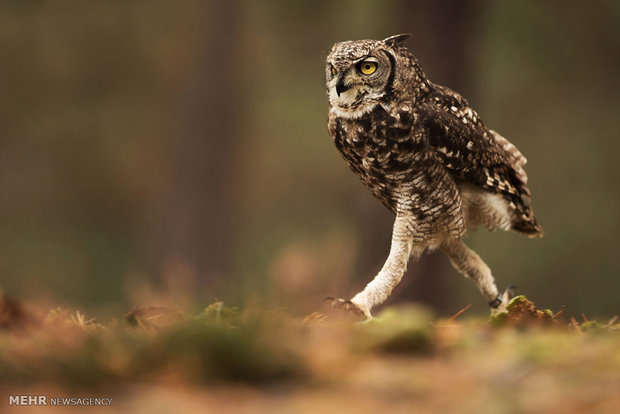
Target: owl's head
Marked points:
359	74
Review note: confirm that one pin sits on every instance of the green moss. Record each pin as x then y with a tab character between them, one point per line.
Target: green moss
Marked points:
522	311
396	329
220	314
548	313
208	351
498	319
517	301
592	326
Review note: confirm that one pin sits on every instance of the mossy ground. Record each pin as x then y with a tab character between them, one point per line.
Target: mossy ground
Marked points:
156	359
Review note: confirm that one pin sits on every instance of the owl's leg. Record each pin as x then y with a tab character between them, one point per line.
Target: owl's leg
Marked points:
471	265
378	290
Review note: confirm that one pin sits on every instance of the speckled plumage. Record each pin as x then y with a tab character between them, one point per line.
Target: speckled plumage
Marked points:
425	153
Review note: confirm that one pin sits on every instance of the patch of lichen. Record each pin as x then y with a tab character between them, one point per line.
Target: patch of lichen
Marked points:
521	311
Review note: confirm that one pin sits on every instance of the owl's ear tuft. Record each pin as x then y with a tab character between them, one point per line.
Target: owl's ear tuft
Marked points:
396	39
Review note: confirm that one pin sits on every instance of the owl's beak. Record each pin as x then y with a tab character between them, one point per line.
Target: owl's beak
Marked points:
340	86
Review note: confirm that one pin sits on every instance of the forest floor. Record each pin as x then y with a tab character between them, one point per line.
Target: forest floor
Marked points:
226	360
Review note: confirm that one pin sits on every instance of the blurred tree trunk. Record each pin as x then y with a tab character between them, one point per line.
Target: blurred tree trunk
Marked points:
442	33
197	230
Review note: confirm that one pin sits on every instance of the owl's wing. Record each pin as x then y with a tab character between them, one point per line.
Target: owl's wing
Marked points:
473	153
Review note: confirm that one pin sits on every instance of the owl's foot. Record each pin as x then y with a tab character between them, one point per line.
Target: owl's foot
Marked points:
501	301
348	306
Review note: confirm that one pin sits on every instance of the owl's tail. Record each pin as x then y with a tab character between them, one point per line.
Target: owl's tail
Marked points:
517	160
527	224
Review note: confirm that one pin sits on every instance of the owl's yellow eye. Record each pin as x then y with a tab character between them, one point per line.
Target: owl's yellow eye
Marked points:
332	70
367	68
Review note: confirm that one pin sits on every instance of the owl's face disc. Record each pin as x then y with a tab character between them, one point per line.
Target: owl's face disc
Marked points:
358	74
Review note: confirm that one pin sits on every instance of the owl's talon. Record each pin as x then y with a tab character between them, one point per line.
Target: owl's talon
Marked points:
501	301
509	292
346	305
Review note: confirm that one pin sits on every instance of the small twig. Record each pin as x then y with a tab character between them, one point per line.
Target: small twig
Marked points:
315	317
575	324
456	315
583	315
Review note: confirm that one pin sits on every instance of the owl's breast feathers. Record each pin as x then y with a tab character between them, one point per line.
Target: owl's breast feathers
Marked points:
415	156
394	160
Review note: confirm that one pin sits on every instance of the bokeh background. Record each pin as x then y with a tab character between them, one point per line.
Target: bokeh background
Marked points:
156	150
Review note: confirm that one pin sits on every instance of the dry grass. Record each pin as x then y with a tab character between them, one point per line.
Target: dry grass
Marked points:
256	360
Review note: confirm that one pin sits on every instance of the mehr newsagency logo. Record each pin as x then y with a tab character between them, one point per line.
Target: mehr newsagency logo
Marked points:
45	400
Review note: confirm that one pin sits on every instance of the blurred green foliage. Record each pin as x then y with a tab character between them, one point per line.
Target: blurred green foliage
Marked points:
269	348
218	344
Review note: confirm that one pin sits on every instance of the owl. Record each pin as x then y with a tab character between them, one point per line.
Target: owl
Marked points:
427	156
